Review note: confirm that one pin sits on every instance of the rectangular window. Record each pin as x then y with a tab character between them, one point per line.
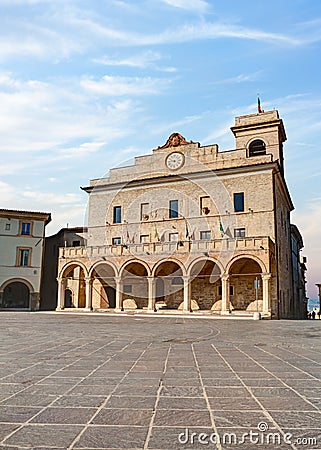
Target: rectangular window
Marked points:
205	235
173	237
144	238
239	232
173	209
24	255
116	241
8	226
117	214
239	202
144	211
25	228
76	243
231	290
205	205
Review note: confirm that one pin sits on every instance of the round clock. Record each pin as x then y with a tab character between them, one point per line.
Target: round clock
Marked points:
175	160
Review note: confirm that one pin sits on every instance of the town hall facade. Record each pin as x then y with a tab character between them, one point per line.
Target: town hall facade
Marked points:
190	228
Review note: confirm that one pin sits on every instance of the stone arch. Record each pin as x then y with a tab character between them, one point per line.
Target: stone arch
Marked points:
205	275
134	279
16	294
244	275
74	274
253	257
132	261
173	260
20	280
73	264
171	272
103	276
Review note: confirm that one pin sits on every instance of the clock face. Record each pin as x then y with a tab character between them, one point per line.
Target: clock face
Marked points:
175	160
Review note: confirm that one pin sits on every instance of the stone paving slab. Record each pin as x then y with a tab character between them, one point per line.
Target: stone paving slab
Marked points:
86	381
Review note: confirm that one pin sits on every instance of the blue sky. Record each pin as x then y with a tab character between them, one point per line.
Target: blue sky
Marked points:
87	85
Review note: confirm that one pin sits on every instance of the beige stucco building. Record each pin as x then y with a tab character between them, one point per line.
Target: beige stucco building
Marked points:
22	235
189	227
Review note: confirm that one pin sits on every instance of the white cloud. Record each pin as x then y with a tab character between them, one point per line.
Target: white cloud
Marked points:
119	86
192	5
242	78
141	60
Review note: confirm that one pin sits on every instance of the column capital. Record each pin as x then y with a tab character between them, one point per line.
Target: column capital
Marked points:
118	279
88	280
61	279
266	276
225	277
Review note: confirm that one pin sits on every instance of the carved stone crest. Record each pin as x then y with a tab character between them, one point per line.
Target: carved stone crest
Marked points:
175	140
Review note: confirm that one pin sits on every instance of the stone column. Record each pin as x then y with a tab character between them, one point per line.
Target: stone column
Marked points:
89	292
61	294
225	294
119	294
151	293
266	277
187	293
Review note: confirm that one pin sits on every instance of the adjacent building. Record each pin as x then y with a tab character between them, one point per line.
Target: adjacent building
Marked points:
190	227
22	236
66	237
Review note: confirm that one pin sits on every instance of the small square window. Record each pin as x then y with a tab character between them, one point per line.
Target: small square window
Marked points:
177	281
205	235
173	237
128	288
117	214
8	226
116	241
25	228
173	209
144	211
205	205
144	238
239	202
76	243
239	232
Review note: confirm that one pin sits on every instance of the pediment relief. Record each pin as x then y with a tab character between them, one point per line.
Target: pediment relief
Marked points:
175	140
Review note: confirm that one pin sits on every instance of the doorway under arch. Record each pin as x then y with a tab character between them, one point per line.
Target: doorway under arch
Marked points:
135	285
169	279
243	275
16	295
205	283
103	287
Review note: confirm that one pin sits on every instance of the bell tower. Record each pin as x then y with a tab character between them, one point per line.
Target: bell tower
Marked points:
260	134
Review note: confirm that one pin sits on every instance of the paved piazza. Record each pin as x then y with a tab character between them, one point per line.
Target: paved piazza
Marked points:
134	382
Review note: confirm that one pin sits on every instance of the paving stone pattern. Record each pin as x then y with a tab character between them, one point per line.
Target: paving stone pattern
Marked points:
88	381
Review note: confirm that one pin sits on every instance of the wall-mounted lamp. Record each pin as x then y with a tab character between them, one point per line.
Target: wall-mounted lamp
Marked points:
251	210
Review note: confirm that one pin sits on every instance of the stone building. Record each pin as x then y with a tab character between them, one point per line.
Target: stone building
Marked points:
22	235
190	227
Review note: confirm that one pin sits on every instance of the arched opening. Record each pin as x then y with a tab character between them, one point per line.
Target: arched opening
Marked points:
170	292
205	284
16	295
103	287
246	285
68	298
257	148
135	286
75	282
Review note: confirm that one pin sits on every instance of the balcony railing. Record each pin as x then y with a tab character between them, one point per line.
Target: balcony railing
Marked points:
260	243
